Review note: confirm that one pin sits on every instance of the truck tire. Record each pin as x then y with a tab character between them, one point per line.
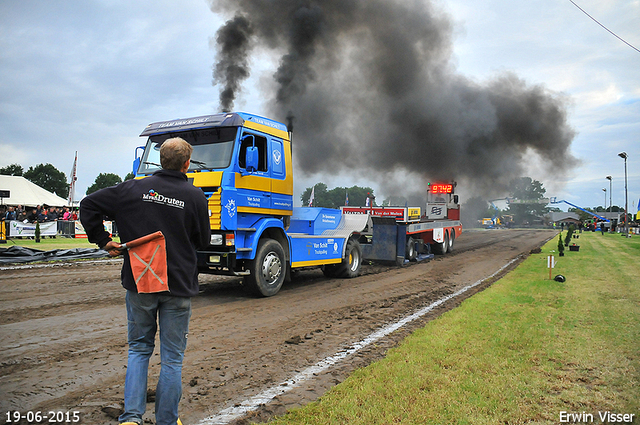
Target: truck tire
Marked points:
410	251
350	266
441	248
267	270
452	238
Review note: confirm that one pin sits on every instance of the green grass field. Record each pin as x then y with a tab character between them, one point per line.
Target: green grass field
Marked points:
526	350
48	244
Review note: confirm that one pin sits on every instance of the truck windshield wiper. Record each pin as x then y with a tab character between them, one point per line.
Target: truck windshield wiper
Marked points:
199	163
152	163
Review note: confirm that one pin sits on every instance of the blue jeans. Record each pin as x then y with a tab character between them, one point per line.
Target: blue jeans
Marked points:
173	314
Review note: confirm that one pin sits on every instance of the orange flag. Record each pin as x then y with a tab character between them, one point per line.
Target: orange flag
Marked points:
148	258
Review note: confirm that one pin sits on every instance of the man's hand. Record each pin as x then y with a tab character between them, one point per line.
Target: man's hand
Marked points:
113	248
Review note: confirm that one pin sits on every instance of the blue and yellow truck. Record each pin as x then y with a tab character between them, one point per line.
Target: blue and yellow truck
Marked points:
243	164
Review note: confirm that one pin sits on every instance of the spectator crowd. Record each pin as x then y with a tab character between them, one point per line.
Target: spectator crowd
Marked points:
38	214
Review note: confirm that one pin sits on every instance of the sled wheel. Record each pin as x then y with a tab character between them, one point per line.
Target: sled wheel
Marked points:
410	251
441	248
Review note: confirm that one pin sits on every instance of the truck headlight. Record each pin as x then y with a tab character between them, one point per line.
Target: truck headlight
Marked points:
216	239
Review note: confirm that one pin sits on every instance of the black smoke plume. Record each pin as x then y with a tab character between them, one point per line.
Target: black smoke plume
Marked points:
234	43
373	90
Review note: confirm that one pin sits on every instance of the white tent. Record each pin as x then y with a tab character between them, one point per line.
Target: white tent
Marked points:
23	192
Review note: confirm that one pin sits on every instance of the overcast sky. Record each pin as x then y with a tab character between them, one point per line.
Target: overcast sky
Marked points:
88	76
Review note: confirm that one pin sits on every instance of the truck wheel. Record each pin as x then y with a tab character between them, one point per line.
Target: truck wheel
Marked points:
410	251
267	270
452	238
441	248
350	266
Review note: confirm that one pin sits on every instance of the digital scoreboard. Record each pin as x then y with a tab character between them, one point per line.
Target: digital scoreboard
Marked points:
441	188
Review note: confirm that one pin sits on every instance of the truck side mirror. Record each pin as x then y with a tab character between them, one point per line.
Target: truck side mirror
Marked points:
136	165
251	159
138	159
455	199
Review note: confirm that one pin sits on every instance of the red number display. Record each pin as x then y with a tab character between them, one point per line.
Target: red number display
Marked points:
441	188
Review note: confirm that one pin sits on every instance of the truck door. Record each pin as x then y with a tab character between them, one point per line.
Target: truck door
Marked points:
279	200
254	190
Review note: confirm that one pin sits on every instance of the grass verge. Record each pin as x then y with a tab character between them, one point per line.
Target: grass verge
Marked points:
525	350
48	244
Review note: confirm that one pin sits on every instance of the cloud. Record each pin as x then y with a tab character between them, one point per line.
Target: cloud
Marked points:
11	154
89	76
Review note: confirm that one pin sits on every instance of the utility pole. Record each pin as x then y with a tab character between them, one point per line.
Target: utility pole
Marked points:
626	196
610	200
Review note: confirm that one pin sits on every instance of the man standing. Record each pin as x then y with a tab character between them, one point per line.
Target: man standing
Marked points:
11	214
169	203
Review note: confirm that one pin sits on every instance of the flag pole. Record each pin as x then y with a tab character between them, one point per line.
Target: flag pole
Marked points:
72	184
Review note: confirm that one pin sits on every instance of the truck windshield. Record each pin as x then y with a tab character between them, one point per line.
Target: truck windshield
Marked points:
212	149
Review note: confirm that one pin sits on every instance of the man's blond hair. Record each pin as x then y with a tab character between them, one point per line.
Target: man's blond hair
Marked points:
174	153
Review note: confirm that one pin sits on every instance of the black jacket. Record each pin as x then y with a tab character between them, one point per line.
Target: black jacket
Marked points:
166	201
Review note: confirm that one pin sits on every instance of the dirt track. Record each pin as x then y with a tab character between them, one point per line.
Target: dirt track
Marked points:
63	330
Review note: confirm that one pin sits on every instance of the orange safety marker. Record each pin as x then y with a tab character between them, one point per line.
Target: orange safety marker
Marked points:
148	258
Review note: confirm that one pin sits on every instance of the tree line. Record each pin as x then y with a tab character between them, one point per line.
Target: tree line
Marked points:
473	209
336	197
55	181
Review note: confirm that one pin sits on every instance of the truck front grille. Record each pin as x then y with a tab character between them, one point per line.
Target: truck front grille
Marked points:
215	219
